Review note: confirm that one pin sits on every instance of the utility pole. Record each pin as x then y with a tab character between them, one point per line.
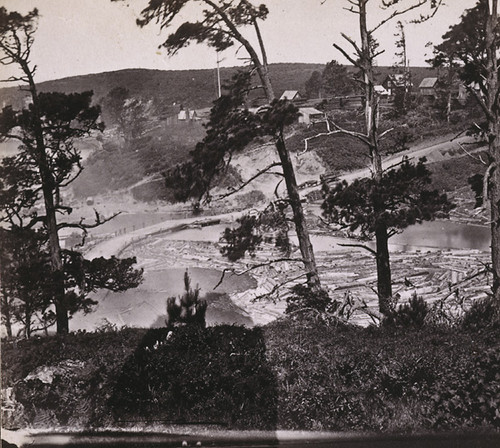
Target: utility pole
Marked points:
218	77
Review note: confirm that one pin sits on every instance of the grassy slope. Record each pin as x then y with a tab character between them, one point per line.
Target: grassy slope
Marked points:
298	373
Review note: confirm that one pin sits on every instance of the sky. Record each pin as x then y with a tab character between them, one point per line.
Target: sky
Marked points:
77	37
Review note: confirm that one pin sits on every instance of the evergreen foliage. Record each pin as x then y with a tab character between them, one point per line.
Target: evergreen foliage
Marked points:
336	81
230	129
254	229
465	44
242	239
400	199
27	288
47	161
189	308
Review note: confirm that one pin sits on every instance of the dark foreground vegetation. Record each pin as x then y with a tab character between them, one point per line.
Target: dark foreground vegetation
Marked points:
301	372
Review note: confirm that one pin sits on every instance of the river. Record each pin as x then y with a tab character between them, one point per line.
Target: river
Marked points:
426	236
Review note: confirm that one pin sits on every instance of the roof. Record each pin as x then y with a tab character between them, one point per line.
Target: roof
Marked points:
310	111
428	83
289	95
381	89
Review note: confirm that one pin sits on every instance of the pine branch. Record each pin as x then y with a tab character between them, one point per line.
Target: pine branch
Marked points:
82	226
255	266
244	184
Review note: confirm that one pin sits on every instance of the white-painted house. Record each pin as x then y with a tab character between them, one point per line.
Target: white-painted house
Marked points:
291	95
309	115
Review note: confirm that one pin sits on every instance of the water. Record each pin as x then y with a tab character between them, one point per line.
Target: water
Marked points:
443	235
145	306
425	236
428	235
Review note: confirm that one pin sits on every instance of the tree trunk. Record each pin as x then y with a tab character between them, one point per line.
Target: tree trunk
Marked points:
494	191
448	106
6	311
384	284
384	281
262	69
48	189
299	219
494	141
27	324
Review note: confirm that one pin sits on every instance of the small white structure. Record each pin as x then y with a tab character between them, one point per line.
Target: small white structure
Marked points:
381	90
291	95
310	115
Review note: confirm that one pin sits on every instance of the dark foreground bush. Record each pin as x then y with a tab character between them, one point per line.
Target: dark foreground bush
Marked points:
302	372
214	375
384	379
483	314
303	298
63	380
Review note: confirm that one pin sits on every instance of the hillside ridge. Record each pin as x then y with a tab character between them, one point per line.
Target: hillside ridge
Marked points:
193	88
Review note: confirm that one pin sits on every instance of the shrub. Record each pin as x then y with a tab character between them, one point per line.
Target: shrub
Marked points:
303	297
412	314
470	394
219	374
188	308
481	315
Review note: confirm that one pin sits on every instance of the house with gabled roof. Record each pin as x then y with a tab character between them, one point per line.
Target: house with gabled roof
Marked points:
381	90
428	87
291	95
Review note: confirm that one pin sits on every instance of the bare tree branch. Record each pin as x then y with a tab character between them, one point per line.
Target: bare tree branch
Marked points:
338	130
346	55
277	287
244	184
478	158
362	246
398	13
82	226
255	266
